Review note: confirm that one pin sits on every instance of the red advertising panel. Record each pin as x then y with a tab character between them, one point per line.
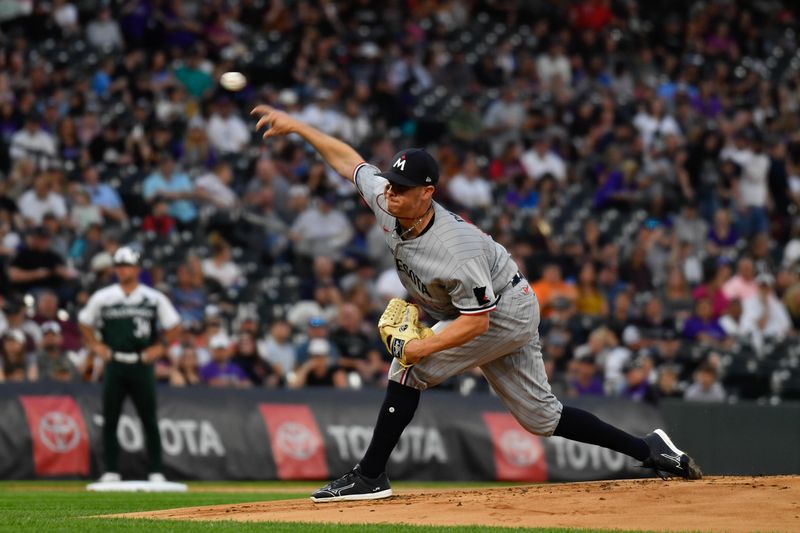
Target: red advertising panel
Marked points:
518	455
58	433
297	444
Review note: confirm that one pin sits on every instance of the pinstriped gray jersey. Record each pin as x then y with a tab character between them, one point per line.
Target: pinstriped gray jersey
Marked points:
452	268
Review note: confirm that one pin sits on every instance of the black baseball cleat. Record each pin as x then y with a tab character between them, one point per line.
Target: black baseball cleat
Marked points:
667	460
353	486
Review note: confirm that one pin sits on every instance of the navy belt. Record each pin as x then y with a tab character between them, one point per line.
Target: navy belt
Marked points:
516	279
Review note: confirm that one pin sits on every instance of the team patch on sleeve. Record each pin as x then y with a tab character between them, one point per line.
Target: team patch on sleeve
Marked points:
480	295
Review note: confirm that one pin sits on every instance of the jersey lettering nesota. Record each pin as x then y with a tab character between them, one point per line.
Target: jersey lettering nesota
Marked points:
129	323
452	268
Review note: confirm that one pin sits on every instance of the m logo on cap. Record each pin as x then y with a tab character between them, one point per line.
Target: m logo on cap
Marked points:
400	163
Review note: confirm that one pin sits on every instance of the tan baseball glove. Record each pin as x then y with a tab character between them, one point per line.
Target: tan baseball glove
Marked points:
398	325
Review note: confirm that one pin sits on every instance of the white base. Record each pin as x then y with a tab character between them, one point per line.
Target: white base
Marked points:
137	486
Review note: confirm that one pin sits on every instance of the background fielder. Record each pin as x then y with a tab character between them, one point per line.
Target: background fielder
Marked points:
456	272
127	316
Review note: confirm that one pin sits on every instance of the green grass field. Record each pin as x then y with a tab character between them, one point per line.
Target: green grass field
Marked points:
65	506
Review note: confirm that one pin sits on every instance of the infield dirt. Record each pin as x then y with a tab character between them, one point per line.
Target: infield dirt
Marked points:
712	504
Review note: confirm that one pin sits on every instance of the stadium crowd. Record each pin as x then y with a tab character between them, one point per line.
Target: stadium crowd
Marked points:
642	164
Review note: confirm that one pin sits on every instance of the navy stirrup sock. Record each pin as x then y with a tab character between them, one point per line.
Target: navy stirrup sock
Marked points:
396	412
583	426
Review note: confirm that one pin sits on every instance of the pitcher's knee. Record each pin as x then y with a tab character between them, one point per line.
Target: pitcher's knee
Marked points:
539	419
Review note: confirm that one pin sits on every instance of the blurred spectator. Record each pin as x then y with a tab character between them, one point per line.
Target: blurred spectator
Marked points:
622	313
654	124
221	268
186	372
468	188
103	32
40	200
319	369
82	212
173	186
551	286
540	160
731	320
321	230
266	175
715	279
60	234
702	326
65	16
764	316
52	361
668	384
316	328
465	125
103	196
608	356
221	371
47	311
583	378
214	188
33	143
502	121
636	271
676	296
278	350
197	151
590	301
320	114
751	191
743	285
636	385
37	267
189	296
690	228
705	388
357	352
159	222
354	127
259	371
553	67
17	363
227	132
194	76
108	147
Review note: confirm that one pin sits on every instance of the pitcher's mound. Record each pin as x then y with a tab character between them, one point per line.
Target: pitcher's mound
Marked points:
712	504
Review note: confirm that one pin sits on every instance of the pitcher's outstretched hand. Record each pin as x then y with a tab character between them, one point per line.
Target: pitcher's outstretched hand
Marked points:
277	122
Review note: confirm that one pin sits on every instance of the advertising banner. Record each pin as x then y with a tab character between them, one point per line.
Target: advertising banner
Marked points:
58	434
56	431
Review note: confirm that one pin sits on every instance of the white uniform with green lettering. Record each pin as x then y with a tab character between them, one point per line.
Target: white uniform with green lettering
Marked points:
454	268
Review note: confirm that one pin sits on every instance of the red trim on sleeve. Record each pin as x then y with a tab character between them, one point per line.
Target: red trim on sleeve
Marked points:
355	171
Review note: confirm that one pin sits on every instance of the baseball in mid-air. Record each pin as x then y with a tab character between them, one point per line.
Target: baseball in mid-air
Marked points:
233	81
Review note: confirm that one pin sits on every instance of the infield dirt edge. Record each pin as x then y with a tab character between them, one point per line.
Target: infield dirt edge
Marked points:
770	503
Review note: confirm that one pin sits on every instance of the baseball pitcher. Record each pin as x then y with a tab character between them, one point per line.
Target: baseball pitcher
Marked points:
488	317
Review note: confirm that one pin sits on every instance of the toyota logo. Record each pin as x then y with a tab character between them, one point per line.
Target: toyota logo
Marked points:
519	448
296	440
59	432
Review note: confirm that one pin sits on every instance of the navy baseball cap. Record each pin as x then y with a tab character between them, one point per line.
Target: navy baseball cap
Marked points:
413	167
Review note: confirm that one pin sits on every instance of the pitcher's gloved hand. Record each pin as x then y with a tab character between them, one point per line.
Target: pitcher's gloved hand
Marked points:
398	325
